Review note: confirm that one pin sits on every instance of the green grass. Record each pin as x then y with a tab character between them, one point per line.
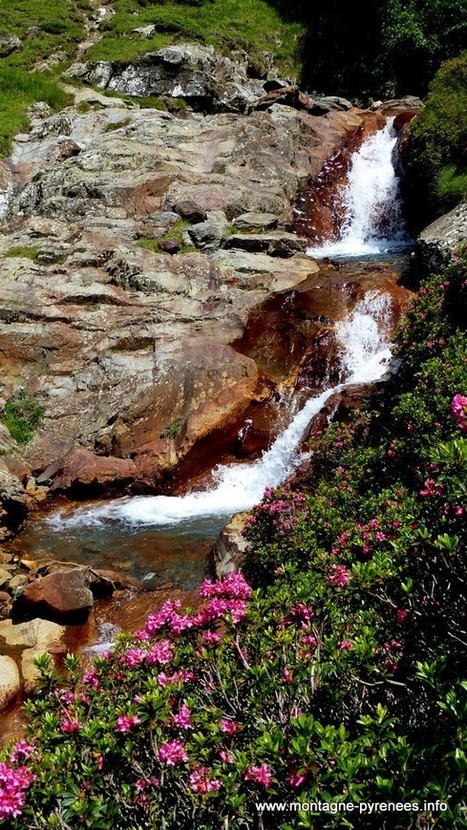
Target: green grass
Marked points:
61	29
225	24
174	234
26	251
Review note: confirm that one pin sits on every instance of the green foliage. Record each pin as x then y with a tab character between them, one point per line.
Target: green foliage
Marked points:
435	153
22	416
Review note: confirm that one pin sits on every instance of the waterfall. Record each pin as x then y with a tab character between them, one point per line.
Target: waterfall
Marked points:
362	338
372	207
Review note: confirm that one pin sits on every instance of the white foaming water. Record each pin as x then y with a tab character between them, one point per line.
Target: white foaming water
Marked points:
365	355
373	222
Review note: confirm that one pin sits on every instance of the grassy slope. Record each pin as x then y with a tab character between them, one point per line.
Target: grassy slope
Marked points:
226	24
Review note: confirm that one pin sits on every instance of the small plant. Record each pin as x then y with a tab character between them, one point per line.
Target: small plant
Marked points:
25	251
22	416
173	429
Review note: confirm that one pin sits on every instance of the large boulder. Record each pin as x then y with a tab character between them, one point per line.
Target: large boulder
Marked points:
61	595
437	242
195	73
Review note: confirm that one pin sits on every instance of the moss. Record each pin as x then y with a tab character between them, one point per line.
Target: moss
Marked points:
22	416
173	429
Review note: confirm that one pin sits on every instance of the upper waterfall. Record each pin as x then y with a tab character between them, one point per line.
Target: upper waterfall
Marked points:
372	221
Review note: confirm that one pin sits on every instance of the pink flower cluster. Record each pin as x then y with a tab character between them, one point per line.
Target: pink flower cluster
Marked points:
280	510
259	775
125	723
459	411
183	717
14	782
201	781
21	751
339	576
172	753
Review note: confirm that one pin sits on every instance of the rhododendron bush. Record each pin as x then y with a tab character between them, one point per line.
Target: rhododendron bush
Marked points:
333	669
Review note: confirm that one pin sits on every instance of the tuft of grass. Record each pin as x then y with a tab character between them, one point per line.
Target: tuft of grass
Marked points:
174	234
115	125
22	415
25	251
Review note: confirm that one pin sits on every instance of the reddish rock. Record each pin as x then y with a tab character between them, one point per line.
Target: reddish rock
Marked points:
63	594
83	469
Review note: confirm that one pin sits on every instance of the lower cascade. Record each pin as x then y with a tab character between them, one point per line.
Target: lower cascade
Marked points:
365	355
372	221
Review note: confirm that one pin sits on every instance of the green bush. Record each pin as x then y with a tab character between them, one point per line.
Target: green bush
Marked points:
436	174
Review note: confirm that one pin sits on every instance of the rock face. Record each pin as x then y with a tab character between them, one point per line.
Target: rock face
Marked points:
195	73
439	240
129	348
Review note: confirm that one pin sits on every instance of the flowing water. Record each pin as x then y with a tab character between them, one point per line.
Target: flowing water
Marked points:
373	222
158	538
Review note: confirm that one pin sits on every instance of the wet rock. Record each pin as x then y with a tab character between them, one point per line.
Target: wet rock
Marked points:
17	583
289	96
83	469
227	554
104	582
437	242
5	577
8	43
6	604
128	349
64	594
10	683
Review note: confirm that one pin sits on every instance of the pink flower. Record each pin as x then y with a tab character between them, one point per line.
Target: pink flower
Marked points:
133	657
232	586
14	781
68	724
160	653
125	723
21	750
287	676
345	645
296	778
340	576
182	718
210	637
401	615
201	782
459	411
225	756
172	753
229	727
259	775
